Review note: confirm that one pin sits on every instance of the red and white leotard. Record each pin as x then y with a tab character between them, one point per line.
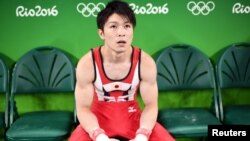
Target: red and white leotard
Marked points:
114	101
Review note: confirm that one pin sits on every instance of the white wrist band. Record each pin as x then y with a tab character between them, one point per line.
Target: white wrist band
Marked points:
96	133
144	131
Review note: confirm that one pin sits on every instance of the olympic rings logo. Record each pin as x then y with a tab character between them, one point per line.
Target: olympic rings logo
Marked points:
90	9
200	7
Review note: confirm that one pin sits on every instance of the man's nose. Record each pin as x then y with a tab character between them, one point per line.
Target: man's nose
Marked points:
121	32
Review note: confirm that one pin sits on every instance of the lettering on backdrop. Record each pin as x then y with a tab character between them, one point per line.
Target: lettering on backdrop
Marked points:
239	8
37	11
200	7
149	9
92	9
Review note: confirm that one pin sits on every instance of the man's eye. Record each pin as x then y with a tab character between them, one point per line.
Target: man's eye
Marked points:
113	26
128	26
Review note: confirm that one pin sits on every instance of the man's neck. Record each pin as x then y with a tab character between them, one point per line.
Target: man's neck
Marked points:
116	57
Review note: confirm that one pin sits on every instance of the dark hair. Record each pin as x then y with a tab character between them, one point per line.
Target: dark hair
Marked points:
118	7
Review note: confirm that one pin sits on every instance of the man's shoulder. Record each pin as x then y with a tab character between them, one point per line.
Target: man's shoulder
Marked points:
86	58
147	59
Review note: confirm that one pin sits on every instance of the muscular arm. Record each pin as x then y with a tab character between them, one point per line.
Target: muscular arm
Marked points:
149	92
84	92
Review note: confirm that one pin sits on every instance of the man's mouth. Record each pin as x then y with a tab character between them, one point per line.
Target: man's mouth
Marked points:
121	42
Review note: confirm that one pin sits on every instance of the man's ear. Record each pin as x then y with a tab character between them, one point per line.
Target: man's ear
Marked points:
101	34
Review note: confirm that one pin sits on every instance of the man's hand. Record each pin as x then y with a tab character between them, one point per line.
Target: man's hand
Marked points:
114	139
140	137
104	137
142	134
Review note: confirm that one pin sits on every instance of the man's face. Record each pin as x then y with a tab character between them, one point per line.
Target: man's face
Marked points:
117	33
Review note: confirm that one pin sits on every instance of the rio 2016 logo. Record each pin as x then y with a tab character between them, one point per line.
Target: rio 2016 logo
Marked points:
200	7
91	9
149	9
38	11
239	8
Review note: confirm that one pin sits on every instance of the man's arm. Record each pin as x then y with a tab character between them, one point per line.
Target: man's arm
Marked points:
149	94
84	92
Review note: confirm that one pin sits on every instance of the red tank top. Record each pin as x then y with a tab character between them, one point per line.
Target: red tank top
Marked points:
114	103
